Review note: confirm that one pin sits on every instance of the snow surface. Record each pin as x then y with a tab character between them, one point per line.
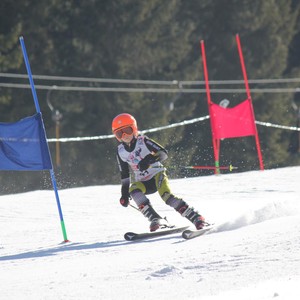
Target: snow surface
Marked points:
253	253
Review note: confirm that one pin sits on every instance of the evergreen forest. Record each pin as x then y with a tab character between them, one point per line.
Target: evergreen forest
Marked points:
94	59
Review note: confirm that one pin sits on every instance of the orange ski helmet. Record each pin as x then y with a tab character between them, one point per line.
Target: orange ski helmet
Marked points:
122	121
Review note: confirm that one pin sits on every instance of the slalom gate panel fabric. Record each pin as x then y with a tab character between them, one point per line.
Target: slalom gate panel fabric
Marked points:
232	122
23	145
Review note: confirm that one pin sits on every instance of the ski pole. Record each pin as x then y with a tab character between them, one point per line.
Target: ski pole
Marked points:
230	167
134	207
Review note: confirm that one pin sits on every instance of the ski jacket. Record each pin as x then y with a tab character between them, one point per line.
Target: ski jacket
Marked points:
130	156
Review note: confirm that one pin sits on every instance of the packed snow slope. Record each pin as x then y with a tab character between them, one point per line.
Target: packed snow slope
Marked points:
253	252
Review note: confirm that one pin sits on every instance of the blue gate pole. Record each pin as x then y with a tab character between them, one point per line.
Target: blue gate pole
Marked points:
37	106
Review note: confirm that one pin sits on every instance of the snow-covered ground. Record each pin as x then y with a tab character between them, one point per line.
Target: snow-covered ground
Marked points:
253	253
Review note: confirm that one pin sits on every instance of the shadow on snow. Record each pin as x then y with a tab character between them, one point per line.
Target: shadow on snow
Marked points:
66	247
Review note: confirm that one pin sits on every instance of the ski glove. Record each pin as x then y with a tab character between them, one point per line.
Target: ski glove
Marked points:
147	161
124	201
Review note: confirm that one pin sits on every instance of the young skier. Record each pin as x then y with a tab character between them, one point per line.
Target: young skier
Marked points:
144	157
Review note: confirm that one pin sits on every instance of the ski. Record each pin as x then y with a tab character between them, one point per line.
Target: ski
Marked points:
190	234
132	236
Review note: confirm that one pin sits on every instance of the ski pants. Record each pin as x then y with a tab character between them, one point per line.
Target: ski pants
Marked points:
158	183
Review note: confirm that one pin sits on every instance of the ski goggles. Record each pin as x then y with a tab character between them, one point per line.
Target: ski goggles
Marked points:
127	130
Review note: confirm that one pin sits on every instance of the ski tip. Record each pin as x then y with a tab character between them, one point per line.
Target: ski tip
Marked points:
190	234
129	236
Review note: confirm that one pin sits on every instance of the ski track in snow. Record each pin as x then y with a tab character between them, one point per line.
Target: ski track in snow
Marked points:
252	252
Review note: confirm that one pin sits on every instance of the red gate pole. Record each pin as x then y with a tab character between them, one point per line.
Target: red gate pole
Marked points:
216	142
249	97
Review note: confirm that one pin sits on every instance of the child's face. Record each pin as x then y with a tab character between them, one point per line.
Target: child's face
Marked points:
125	134
127	138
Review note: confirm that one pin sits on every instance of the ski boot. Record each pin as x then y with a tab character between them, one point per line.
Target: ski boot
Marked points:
156	221
192	215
